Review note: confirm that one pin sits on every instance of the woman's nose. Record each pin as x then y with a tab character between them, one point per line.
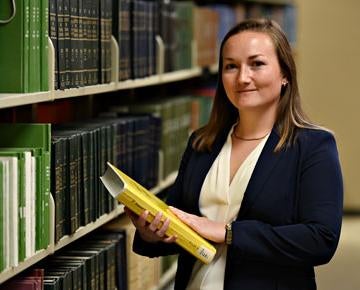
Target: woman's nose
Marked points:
244	75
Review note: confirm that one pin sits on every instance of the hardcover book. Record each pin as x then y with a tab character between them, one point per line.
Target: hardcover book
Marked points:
137	198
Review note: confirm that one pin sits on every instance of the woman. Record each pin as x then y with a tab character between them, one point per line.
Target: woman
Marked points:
260	180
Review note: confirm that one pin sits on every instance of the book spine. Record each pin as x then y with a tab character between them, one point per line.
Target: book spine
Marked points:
21	211
81	41
57	174
67	44
108	15
26	46
14	55
85	178
44	49
37	77
3	192
74	44
102	41
125	69
95	33
53	33
61	56
46	197
32	44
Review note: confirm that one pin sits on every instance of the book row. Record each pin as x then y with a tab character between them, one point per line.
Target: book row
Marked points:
96	262
81	32
24	46
67	160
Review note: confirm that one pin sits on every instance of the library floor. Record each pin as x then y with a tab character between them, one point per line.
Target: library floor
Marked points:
343	272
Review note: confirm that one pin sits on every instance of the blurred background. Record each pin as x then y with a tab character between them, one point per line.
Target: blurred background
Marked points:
328	60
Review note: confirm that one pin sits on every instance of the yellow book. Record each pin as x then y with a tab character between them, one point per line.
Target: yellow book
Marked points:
137	198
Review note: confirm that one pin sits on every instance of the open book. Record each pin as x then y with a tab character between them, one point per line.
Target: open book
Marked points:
137	198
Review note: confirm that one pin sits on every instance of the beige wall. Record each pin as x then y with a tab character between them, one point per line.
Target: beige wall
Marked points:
328	58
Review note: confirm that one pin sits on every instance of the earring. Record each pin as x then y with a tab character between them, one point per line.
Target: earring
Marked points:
283	88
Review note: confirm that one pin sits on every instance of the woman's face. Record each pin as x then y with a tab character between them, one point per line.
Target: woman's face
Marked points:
251	72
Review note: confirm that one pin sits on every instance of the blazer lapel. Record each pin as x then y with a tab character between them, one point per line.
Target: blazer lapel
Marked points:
261	173
201	166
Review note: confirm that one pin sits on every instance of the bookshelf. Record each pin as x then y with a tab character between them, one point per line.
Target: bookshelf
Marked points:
82	231
13	100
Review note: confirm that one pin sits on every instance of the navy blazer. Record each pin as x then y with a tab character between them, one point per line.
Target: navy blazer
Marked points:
289	220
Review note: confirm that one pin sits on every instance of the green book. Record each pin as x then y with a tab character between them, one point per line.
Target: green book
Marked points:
14	46
33	58
2	218
44	47
38	137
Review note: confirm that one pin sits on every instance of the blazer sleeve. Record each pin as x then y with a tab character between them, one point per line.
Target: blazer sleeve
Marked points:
313	239
144	248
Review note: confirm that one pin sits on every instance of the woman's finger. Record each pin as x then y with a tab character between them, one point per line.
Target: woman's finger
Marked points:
141	221
161	232
154	225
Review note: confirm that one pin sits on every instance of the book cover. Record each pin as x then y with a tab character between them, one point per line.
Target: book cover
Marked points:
14	34
3	192
137	198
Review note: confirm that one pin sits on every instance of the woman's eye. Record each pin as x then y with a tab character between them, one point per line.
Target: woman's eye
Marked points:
257	63
229	66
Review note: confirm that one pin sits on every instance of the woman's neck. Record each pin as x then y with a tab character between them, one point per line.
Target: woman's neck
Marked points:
253	125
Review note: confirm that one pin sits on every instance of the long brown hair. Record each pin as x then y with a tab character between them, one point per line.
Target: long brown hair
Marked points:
290	115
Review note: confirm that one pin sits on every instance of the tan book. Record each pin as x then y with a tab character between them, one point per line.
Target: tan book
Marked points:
137	198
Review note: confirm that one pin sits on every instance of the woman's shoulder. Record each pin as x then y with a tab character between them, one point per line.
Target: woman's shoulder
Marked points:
313	138
314	134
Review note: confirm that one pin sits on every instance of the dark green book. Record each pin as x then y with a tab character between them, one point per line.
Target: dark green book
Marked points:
58	184
53	34
14	39
73	195
44	46
2	217
34	46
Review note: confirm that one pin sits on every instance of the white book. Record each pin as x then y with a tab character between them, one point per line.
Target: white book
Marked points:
12	209
27	210
5	214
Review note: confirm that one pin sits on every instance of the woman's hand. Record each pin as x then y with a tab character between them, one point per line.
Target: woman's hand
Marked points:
150	232
211	230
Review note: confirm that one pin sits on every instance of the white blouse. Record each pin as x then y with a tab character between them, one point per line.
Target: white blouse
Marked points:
220	200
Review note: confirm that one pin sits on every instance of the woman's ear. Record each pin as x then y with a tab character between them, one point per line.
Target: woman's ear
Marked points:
284	84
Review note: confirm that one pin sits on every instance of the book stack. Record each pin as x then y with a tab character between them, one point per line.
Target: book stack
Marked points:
80	151
175	118
25	188
80	32
24	46
95	262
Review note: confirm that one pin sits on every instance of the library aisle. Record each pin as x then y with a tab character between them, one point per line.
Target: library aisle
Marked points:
343	270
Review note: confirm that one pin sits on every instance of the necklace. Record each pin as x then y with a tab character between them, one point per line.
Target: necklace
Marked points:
249	139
